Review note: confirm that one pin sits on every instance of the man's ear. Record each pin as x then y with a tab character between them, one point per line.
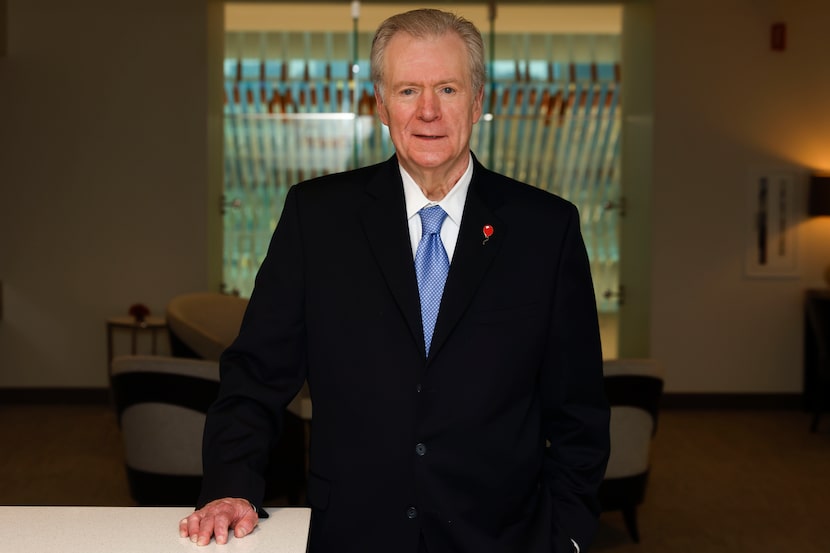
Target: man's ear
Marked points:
381	107
478	105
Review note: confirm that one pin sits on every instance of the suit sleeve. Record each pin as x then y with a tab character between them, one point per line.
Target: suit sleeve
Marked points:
575	411
260	372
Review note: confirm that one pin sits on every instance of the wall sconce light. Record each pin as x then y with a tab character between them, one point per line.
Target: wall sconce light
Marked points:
819	203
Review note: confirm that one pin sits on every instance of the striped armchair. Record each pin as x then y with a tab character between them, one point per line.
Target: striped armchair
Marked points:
633	388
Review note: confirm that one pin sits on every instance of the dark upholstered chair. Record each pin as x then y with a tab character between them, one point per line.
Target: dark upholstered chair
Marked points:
161	404
633	388
201	326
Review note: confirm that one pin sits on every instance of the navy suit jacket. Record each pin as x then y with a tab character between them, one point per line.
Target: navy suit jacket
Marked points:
495	443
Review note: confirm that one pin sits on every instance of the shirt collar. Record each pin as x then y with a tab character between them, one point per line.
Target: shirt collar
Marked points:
452	203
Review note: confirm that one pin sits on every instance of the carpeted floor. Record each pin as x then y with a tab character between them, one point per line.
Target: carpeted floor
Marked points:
732	482
722	481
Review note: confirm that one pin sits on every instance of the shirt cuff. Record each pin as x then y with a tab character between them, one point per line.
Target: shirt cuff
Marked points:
576	546
262	513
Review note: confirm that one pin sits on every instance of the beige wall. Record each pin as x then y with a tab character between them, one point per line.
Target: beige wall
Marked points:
726	104
105	191
103	176
637	183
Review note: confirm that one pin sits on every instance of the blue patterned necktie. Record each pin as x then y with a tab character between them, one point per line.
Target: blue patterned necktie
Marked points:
431	267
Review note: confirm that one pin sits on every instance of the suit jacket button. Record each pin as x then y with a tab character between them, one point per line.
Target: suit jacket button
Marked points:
421	449
412	512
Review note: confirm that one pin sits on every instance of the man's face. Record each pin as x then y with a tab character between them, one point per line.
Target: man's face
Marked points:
428	102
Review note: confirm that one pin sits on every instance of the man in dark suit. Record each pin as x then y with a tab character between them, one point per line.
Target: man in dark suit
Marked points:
484	430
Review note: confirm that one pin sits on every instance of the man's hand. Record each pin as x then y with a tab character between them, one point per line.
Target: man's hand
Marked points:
216	518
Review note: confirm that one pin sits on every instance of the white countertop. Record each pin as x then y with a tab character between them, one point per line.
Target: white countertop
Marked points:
138	530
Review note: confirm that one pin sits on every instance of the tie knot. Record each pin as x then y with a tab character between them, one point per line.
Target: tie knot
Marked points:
431	219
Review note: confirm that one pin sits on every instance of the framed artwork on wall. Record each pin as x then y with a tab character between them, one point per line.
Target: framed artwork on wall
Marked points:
773	211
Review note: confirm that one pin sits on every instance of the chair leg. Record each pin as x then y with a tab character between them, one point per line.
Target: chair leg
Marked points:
630	518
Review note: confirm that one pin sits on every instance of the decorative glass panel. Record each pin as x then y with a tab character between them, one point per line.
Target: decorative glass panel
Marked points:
295	110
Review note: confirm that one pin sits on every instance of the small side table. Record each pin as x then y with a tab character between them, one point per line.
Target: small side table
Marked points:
153	325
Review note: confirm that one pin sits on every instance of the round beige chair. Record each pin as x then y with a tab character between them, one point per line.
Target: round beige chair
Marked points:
203	324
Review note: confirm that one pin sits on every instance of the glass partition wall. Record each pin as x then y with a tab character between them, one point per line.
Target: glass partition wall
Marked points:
300	104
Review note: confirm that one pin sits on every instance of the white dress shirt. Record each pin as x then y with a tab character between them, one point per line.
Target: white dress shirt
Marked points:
452	204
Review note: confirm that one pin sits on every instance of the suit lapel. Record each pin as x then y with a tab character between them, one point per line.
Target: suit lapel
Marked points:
472	255
384	222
